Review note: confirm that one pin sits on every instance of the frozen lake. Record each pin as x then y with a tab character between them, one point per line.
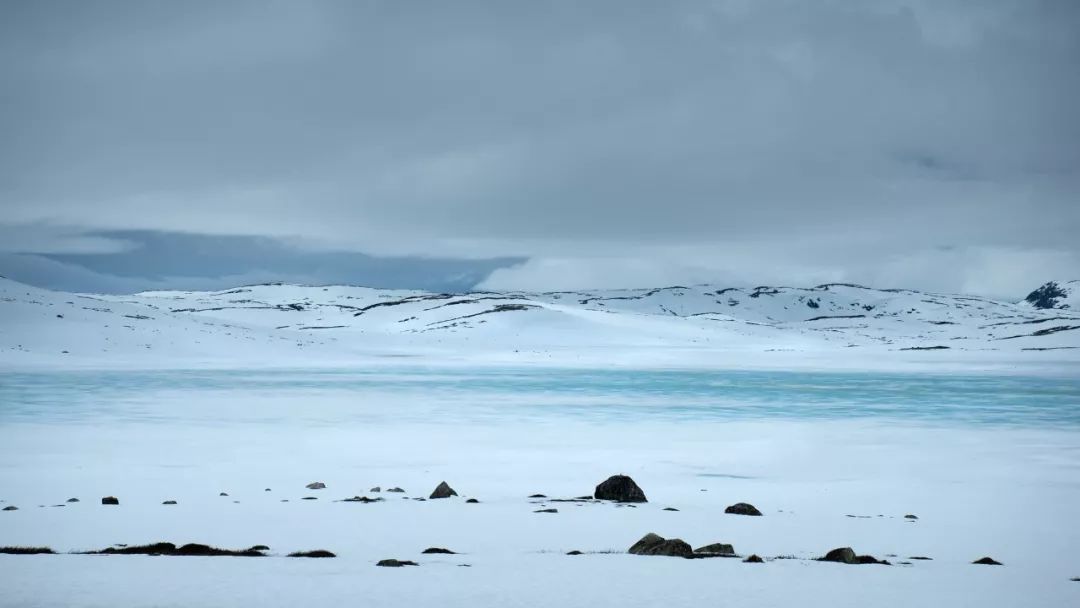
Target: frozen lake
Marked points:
990	464
502	396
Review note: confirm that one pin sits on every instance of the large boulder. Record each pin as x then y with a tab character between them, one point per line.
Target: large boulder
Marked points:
110	500
654	544
619	488
743	508
316	485
716	549
846	555
443	490
987	561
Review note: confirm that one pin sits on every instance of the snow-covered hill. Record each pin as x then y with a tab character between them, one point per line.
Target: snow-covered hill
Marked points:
700	325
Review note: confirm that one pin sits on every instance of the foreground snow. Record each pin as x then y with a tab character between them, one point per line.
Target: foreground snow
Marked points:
1010	494
826	327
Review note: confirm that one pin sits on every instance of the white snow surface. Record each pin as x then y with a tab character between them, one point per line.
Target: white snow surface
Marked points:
826	327
1008	494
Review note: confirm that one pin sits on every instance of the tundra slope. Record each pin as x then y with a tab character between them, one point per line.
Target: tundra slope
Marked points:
700	325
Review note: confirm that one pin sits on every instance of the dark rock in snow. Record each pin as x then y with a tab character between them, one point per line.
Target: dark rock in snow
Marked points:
670	509
395	563
363	499
717	549
316	485
910	516
315	553
309	498
169	502
619	488
472	501
266	490
742	508
438	550
110	500
846	555
375	490
921	558
546	511
398	490
654	544
443	490
223	494
574	552
259	548
73	500
537	496
11	508
987	561
753	559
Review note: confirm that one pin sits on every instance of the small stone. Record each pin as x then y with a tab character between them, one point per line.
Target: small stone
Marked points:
266	490
574	552
922	558
987	561
395	563
472	501
439	551
753	559
910	516
619	488
546	511
309	498
670	509
11	508
110	500
169	502
316	485
73	500
443	490
398	490
537	496
375	490
743	508
223	494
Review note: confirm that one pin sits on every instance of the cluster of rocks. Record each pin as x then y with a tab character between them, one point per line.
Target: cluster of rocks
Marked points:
654	544
846	555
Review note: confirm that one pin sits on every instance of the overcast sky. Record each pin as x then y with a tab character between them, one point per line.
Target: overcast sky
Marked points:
540	145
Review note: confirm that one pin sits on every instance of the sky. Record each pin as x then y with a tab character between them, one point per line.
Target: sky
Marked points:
927	144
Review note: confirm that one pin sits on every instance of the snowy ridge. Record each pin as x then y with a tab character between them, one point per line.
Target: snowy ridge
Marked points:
291	324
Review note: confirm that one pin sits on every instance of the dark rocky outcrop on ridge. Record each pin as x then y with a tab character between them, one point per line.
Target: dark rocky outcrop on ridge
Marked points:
619	488
987	561
27	551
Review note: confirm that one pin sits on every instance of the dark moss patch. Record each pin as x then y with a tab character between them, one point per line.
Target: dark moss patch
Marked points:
26	551
315	553
163	548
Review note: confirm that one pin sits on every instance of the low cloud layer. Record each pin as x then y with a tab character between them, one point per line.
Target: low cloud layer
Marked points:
928	144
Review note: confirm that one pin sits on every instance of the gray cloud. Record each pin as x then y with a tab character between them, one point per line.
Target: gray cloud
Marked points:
748	141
